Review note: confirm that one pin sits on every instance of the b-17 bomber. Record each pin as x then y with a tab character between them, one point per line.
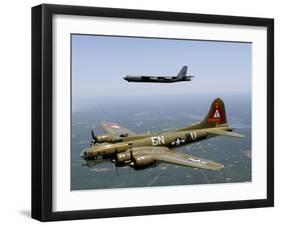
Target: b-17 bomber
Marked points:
125	148
181	77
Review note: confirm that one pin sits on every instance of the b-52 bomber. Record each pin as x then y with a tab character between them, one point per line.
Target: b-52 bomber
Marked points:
123	147
181	77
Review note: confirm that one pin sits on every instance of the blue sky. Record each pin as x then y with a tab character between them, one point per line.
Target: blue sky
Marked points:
99	64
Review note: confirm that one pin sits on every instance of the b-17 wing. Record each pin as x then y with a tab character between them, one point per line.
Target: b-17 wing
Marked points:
165	154
188	160
115	129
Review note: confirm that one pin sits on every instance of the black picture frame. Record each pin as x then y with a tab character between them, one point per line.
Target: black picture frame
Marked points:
42	111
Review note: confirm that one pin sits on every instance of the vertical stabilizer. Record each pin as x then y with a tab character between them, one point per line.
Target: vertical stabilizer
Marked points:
215	116
182	72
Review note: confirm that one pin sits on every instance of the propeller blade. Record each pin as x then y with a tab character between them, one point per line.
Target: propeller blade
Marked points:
116	170
94	139
116	163
93	134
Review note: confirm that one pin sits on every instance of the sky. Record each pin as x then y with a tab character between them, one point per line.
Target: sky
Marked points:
99	64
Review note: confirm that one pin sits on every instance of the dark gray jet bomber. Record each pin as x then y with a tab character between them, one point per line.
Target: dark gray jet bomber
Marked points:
181	77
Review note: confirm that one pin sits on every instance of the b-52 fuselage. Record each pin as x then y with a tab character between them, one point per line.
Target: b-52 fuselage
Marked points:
123	147
181	77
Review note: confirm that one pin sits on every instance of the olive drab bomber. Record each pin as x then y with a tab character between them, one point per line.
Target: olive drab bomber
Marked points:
124	147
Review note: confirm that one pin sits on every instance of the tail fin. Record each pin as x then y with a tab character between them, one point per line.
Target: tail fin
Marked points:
182	72
216	115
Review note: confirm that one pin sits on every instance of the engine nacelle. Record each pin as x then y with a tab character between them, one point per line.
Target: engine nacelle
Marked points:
124	157
103	138
109	139
142	161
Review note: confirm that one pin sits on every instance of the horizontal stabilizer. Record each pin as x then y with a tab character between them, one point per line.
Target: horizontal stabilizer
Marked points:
226	133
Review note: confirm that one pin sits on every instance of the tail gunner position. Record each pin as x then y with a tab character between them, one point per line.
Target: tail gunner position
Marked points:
123	147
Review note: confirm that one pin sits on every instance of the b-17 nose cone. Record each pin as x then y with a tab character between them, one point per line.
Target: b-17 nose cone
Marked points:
84	154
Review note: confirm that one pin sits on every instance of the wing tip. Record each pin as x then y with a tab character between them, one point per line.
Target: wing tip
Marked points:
218	167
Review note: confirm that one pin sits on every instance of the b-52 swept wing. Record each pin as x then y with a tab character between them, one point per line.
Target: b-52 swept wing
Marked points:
123	147
181	77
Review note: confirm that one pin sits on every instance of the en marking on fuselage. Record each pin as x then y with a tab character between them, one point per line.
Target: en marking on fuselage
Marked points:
157	140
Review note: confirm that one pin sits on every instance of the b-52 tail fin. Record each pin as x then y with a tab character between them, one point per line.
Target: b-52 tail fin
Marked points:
182	72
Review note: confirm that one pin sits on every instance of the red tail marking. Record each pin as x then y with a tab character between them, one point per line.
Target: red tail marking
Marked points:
216	114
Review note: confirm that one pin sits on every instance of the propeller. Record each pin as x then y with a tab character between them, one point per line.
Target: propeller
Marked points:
116	170
94	138
116	162
133	162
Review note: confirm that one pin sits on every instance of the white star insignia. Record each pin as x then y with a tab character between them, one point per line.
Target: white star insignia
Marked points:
178	141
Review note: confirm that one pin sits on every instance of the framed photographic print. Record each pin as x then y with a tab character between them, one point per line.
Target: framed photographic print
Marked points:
146	112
